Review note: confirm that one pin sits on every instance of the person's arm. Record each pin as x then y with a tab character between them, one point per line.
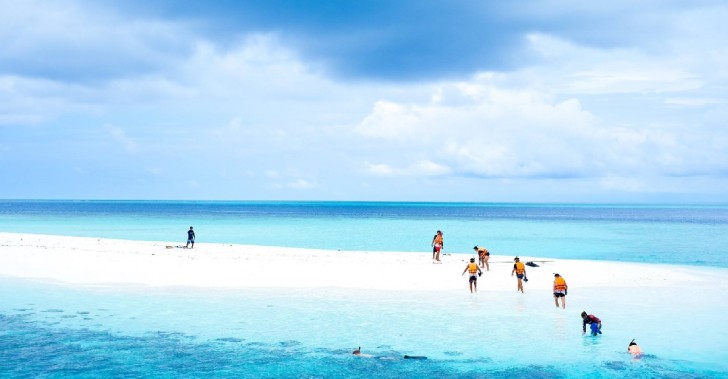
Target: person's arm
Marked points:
514	270
583	325
466	269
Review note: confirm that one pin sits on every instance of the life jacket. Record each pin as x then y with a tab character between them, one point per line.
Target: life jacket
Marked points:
472	268
559	284
520	268
438	240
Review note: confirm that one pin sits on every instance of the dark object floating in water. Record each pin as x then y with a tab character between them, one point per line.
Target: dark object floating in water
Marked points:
531	264
415	357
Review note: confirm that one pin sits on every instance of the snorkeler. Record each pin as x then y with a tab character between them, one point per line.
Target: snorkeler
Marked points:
358	353
594	322
634	349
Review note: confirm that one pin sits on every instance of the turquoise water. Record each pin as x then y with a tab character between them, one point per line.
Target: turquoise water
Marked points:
56	331
679	234
61	331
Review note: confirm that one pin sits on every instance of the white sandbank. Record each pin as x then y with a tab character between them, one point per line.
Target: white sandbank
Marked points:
98	261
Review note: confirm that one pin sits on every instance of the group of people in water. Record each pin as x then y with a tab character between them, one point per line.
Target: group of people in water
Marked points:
560	288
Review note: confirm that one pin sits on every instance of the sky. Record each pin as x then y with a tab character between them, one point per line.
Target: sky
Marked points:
407	100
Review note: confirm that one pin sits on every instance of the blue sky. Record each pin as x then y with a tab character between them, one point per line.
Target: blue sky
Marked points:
537	101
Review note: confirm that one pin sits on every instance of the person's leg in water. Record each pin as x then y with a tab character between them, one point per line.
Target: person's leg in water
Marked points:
520	284
595	329
487	267
556	300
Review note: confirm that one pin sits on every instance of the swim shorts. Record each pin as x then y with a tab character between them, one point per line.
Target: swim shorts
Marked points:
520	276
561	293
473	278
596	328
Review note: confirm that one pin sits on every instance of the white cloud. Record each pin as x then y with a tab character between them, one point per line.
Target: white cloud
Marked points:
420	168
429	168
301	184
380	169
609	117
119	135
390	121
694	102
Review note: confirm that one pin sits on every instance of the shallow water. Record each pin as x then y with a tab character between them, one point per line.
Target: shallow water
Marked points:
57	331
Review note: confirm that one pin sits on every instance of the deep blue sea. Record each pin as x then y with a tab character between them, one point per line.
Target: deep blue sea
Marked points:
55	330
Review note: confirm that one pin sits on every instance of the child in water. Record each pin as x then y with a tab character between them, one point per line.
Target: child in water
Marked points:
634	349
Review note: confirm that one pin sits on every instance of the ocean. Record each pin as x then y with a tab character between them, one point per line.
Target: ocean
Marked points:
56	330
673	234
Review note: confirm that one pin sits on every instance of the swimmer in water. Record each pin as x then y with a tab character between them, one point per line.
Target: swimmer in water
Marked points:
634	349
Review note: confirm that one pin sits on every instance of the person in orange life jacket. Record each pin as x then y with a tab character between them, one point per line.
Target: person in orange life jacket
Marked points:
594	322
474	271
484	256
560	290
437	245
520	270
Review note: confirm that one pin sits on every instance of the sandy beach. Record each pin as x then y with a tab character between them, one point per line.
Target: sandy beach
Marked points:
96	261
385	301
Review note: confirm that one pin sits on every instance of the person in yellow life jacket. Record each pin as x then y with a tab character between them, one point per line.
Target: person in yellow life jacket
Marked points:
474	271
484	256
520	270
560	290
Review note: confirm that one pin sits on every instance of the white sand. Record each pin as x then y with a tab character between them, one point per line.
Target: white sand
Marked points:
96	261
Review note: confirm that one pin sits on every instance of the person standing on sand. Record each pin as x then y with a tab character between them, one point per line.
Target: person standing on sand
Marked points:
483	256
437	244
594	322
520	270
560	290
190	238
475	272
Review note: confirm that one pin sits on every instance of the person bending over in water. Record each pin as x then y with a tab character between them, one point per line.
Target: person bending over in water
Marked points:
560	289
520	270
594	322
474	271
484	256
